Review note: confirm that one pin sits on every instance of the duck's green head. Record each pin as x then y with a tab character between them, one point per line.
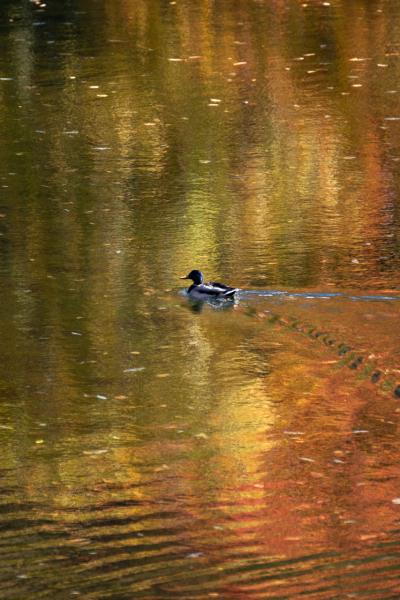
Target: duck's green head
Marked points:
196	276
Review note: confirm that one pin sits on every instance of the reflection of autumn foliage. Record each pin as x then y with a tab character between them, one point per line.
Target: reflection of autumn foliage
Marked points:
259	141
262	125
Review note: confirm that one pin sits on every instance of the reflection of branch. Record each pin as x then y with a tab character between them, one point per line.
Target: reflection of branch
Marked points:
350	357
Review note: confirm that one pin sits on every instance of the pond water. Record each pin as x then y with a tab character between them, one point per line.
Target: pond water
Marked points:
152	448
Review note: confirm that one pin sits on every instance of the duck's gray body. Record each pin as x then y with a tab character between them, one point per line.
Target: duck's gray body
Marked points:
208	291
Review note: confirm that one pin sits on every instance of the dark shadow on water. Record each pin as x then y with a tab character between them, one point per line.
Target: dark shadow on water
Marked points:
197	306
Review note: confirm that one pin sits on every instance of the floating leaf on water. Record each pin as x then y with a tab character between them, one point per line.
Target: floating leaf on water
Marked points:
134	370
161	468
95	452
175	59
76	333
101	397
120	397
39	441
162	375
202	436
369	536
305	459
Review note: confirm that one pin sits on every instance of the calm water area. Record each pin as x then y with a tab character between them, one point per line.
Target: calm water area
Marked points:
153	448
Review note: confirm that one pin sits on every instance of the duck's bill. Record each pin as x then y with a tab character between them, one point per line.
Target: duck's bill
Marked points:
184	277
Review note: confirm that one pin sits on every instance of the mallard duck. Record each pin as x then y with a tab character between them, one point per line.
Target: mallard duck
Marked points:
211	290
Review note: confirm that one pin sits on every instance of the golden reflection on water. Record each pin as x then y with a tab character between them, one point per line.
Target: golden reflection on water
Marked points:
150	448
252	145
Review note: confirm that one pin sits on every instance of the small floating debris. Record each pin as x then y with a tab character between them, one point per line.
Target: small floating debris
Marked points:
101	397
95	452
375	377
134	370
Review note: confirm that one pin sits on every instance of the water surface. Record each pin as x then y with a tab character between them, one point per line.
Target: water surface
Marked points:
157	449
